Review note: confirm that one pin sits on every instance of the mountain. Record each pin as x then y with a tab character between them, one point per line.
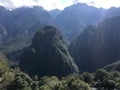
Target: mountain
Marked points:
21	24
54	13
48	55
24	26
113	67
73	19
17	28
3	33
112	12
97	47
4	13
80	48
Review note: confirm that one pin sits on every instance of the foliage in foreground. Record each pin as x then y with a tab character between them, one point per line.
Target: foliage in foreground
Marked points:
14	79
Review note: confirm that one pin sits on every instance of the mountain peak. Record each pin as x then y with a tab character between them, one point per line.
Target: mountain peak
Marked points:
48	55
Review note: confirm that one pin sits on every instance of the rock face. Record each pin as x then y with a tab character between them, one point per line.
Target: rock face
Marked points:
97	47
48	55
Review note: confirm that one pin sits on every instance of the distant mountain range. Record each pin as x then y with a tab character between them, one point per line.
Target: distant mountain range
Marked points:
21	24
96	45
74	19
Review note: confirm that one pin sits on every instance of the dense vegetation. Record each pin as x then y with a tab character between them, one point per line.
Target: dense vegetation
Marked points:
14	79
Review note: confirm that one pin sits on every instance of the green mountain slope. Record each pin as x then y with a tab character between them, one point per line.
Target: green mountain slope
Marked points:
48	55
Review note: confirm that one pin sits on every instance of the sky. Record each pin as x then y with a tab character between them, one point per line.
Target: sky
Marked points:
59	4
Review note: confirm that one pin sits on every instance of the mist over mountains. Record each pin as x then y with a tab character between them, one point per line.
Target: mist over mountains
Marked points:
22	23
77	48
91	34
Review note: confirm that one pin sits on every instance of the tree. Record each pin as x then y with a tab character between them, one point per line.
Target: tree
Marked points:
104	79
22	82
87	77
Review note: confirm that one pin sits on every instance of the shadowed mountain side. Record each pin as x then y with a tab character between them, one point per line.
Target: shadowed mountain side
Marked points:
48	55
97	47
113	67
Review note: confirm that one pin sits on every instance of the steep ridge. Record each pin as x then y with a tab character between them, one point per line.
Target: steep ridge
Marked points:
48	55
73	19
96	49
113	67
19	27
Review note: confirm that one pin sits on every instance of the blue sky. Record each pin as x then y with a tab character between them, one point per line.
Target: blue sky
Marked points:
60	4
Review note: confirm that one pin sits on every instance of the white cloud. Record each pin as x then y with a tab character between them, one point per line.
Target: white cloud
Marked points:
47	4
102	3
60	4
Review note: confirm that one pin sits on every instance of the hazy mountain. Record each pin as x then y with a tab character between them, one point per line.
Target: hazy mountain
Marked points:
113	67
73	19
97	47
3	33
112	12
48	55
54	13
81	49
4	13
21	25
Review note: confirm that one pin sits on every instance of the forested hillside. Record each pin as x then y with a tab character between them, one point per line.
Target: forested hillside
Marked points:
50	57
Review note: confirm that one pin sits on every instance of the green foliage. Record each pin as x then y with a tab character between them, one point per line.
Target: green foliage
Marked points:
62	85
22	81
87	77
6	79
48	82
4	65
74	84
7	76
14	79
108	80
101	75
